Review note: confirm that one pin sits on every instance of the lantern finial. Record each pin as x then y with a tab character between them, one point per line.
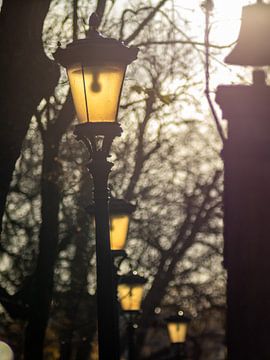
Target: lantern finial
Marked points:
94	21
208	5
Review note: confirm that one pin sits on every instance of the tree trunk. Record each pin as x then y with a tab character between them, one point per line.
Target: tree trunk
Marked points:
40	307
27	76
48	235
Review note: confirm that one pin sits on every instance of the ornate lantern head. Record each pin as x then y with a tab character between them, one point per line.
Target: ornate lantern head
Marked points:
130	291
177	328
96	68
120	212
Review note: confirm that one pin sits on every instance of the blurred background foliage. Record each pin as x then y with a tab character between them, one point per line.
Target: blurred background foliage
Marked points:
167	162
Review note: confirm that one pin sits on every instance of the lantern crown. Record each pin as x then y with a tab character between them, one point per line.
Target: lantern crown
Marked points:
95	49
252	47
121	206
132	278
116	207
178	319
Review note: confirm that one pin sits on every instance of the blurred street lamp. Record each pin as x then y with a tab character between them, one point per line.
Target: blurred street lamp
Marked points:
177	328
120	211
130	294
96	67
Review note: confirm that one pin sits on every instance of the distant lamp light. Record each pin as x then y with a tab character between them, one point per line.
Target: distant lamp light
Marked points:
119	211
5	351
177	328
130	291
157	310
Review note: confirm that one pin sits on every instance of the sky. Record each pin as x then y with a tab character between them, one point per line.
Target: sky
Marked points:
226	19
227	14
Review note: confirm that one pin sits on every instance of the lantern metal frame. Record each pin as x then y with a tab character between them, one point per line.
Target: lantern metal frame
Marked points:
98	137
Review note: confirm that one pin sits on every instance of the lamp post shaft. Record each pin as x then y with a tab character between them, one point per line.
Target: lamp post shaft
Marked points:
108	334
99	167
179	351
246	217
131	345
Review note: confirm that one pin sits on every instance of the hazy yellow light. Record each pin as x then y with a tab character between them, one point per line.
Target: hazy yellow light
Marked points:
177	332
5	351
130	296
118	231
96	91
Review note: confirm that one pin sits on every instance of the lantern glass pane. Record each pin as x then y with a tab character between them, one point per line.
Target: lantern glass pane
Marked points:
96	91
118	231
177	332
130	296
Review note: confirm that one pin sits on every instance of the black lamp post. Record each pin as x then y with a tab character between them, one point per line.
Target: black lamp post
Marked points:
246	109
120	211
96	67
130	293
177	328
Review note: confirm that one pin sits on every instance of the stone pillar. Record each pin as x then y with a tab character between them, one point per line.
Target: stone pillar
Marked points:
247	217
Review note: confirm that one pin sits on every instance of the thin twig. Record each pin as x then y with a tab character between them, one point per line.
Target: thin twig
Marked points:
220	130
184	42
145	22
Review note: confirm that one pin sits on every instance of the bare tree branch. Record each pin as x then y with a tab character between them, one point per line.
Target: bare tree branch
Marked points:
144	22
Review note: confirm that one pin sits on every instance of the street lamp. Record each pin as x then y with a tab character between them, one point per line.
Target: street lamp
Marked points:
96	67
177	328
130	294
246	110
120	211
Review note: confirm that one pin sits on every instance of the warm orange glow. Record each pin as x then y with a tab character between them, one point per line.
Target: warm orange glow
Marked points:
5	351
96	91
118	231
130	296
177	332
